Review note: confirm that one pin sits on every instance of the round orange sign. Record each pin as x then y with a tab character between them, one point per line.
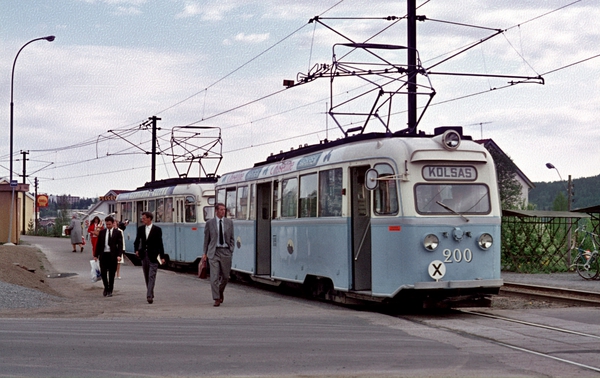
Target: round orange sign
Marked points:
42	200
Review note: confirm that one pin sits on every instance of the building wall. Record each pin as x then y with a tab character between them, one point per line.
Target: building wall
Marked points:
5	200
524	190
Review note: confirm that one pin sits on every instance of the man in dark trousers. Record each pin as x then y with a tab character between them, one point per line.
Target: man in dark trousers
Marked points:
218	246
109	250
149	248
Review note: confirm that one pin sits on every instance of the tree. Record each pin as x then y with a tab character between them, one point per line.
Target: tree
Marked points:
508	185
560	202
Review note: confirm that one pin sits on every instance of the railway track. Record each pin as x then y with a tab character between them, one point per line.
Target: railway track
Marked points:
570	296
565	343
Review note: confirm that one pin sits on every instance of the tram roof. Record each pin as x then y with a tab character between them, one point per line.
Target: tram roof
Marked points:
178	181
326	144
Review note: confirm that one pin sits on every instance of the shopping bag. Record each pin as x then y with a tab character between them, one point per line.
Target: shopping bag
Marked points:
82	240
203	268
95	272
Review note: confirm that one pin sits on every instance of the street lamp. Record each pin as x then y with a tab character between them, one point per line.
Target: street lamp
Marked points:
569	185
49	38
569	199
551	166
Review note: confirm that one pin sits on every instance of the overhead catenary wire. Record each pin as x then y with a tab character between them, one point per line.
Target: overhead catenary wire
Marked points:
103	138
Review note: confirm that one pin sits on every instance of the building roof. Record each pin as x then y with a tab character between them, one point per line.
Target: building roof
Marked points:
589	209
543	214
490	144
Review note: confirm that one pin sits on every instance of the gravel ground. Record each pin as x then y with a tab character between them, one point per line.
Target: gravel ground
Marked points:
23	279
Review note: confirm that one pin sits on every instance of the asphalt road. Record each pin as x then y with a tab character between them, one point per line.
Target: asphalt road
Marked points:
254	333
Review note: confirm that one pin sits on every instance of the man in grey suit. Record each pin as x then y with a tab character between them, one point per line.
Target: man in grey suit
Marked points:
218	247
148	246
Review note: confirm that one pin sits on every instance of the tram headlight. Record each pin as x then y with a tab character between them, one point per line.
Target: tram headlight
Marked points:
485	241
451	140
431	242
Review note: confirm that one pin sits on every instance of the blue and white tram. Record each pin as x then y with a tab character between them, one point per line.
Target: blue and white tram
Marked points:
180	208
374	216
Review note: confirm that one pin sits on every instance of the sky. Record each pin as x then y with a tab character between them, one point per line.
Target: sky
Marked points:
80	102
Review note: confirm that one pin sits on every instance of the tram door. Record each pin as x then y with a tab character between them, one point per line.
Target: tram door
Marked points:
263	229
361	230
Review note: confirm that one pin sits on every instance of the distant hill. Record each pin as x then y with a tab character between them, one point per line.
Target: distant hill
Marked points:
587	193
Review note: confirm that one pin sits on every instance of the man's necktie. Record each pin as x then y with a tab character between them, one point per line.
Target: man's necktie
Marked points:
221	241
109	234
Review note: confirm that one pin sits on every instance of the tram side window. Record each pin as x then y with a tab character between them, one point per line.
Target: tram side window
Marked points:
209	212
126	211
230	203
160	207
152	207
308	195
386	194
168	215
242	202
289	198
275	200
221	196
251	211
330	193
190	209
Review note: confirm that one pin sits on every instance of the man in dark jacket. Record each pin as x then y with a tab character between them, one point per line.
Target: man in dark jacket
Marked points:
109	250
149	248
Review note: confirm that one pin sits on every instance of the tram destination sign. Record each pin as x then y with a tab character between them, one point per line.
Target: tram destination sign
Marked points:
449	172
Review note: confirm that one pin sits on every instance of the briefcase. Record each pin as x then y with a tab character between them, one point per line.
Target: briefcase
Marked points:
203	268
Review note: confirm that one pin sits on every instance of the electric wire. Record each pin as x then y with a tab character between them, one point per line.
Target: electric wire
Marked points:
102	138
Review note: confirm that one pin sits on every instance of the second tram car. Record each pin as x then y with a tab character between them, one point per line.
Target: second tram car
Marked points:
180	208
375	216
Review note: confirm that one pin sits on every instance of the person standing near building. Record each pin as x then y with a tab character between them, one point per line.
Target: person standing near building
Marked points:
109	250
76	233
148	246
218	248
94	230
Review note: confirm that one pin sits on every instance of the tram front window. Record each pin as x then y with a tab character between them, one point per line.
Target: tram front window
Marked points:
462	198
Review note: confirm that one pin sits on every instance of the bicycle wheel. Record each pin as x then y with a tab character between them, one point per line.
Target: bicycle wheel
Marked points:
588	265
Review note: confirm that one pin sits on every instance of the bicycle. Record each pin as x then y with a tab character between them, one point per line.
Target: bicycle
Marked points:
587	262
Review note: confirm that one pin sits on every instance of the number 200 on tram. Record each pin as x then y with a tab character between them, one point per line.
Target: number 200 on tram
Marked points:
376	217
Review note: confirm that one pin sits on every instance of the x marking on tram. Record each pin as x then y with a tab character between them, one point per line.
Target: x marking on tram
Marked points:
437	269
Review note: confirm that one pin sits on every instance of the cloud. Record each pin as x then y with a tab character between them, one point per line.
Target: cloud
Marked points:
251	38
208	11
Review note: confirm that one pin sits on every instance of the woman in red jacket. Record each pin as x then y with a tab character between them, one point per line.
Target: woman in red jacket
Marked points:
94	230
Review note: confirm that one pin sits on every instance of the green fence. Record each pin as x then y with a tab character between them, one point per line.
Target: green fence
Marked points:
538	241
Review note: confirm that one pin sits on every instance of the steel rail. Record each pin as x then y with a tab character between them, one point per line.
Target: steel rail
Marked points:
552	293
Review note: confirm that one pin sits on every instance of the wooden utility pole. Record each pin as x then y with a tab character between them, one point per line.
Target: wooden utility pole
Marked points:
154	119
